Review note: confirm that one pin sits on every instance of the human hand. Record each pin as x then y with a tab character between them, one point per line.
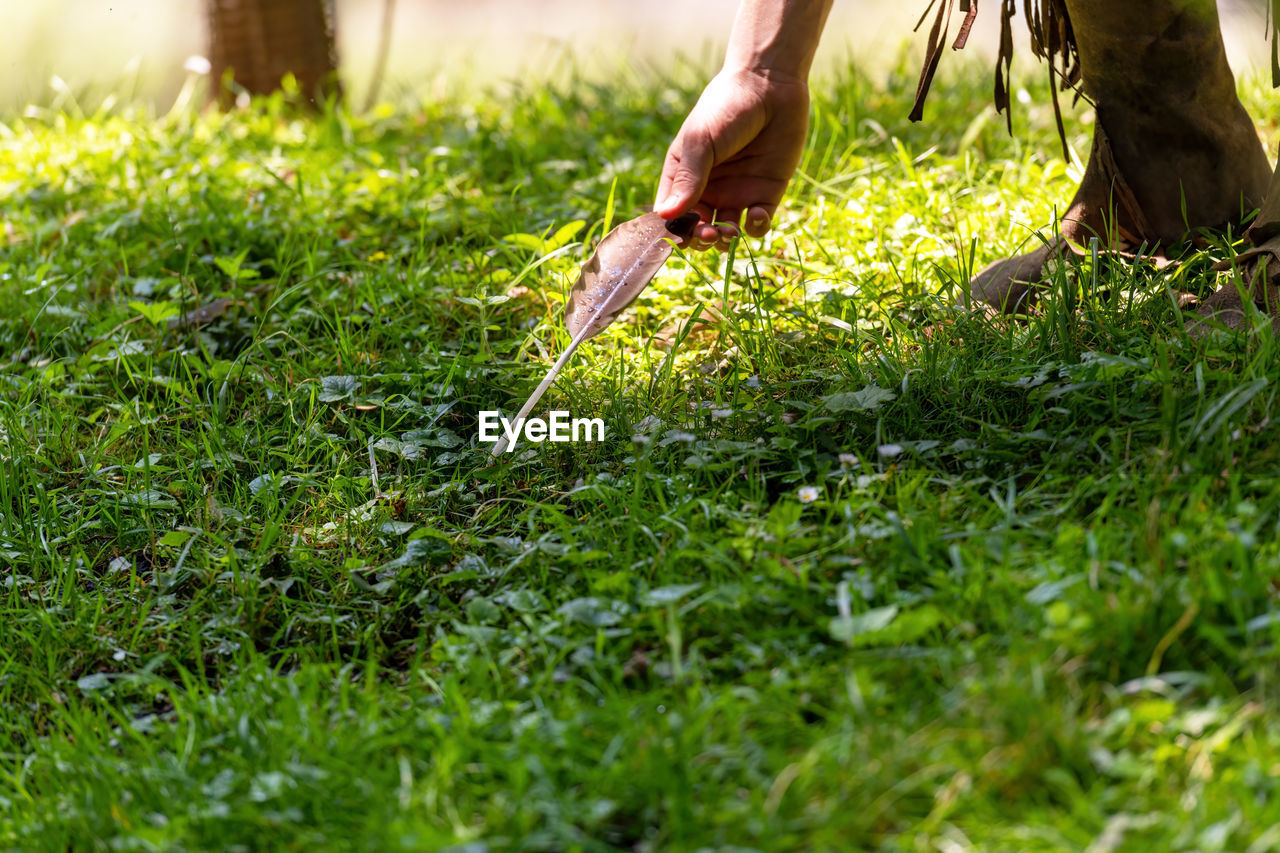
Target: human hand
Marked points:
735	152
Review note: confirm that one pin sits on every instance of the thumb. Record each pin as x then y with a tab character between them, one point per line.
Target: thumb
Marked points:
684	174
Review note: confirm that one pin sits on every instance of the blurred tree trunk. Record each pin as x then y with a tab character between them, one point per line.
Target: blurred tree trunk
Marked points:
262	40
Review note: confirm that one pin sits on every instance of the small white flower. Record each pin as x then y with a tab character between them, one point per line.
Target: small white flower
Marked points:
904	223
848	460
889	451
808	494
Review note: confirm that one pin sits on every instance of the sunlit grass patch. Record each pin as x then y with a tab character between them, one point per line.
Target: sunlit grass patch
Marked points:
854	567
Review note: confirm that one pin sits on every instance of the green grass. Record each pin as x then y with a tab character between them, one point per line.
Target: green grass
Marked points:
261	590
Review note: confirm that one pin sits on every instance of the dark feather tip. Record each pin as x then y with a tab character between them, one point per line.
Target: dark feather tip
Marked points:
682	226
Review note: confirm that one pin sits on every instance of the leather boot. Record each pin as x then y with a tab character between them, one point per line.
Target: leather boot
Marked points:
1256	275
1173	148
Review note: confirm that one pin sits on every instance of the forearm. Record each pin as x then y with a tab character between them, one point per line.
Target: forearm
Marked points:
776	36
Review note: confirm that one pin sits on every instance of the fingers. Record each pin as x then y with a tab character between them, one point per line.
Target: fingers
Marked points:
705	234
687	183
726	223
720	228
719	235
759	220
714	229
684	174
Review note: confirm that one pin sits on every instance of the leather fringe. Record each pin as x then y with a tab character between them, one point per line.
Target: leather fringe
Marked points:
1051	39
1273	29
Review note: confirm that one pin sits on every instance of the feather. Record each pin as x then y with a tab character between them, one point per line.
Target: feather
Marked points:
623	264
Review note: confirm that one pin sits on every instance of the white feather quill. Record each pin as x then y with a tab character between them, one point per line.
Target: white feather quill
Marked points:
623	264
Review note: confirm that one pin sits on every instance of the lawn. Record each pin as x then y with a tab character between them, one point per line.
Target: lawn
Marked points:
853	569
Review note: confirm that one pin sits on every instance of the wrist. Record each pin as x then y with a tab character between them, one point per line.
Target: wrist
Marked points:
768	63
776	38
767	74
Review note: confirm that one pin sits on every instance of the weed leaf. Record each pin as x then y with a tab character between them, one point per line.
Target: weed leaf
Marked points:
867	400
334	389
